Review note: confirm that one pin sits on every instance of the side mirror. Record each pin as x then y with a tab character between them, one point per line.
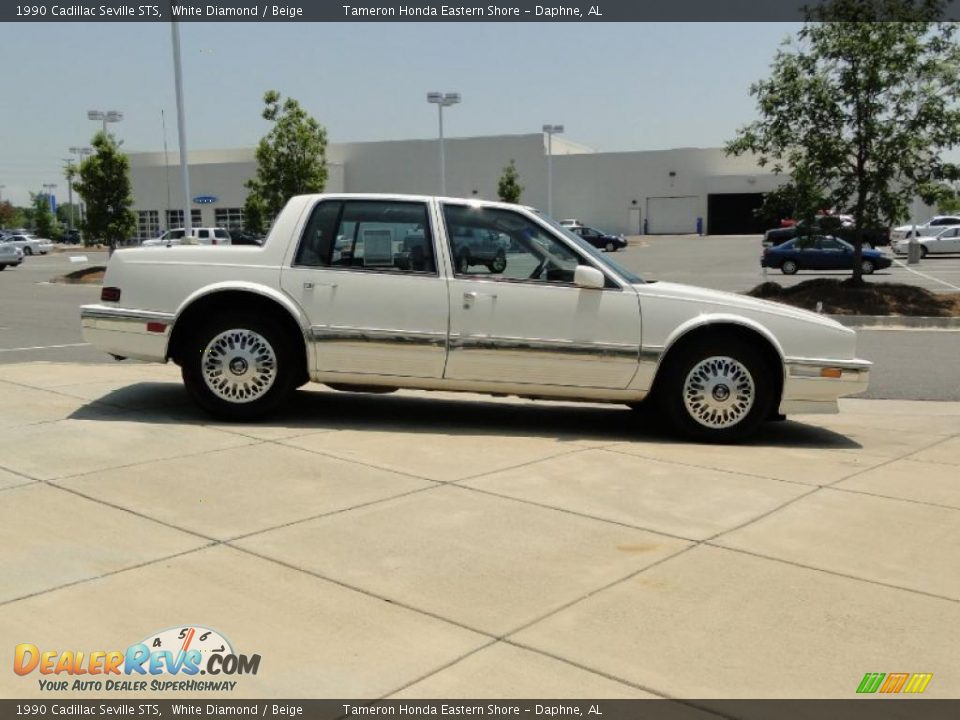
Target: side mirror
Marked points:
588	277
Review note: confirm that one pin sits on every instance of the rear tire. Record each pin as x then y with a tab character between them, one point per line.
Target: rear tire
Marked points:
716	390
789	267
28	251
923	251
239	366
867	267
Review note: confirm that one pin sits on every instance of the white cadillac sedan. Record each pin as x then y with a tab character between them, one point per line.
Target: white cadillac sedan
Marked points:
363	292
29	244
10	255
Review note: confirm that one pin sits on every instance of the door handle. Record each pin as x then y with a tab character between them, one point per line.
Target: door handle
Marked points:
310	285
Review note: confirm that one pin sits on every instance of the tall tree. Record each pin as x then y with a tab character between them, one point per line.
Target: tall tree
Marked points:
105	188
10	216
44	220
291	160
509	188
866	101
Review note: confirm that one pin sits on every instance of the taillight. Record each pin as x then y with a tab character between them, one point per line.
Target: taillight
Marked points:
110	294
213	242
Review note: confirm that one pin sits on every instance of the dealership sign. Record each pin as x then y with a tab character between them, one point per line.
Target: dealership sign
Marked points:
205	199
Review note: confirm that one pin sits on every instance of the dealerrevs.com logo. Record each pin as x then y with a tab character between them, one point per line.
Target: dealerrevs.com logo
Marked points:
169	660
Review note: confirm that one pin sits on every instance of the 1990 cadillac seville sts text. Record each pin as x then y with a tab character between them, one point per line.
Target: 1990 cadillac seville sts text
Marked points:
377	292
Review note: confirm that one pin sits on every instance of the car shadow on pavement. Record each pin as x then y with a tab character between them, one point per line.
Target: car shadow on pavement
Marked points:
313	410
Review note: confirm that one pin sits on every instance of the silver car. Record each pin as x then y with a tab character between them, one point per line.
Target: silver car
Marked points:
10	255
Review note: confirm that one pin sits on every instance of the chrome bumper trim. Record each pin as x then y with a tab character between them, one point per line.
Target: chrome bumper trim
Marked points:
599	350
121	315
366	335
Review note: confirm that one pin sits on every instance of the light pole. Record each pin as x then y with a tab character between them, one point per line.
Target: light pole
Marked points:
442	100
181	126
69	172
81	153
550	130
106	116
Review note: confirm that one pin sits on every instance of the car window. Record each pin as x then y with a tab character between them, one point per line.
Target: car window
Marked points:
829	243
220	234
804	243
493	242
377	235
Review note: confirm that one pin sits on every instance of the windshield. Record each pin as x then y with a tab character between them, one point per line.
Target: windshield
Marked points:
603	258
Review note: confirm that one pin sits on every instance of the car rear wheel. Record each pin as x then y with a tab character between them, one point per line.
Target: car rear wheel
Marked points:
499	264
867	267
717	391
789	267
28	250
923	251
2	268
239	367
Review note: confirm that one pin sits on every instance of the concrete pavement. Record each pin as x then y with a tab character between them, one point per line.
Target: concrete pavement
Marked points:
439	545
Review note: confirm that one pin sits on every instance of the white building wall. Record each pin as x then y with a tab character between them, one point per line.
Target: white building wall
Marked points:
602	189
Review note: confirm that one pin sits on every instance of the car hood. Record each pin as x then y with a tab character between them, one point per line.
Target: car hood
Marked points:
720	301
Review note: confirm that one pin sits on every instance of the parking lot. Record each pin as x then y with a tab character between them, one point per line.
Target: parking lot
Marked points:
440	545
446	546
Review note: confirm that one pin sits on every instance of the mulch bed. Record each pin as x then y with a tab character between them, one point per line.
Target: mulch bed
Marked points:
84	276
841	297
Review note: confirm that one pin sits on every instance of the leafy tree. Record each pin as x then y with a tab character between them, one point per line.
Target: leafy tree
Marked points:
10	216
865	101
105	188
44	220
800	198
948	200
291	160
63	214
508	187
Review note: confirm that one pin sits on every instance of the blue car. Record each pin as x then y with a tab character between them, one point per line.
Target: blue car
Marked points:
820	252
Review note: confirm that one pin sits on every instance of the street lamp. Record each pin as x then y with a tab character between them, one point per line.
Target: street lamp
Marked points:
81	153
181	126
442	100
69	172
106	116
550	130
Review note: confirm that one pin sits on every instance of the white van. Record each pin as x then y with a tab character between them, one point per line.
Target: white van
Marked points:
197	236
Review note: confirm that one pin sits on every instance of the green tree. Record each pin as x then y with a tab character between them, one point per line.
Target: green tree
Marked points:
105	188
291	160
948	200
509	188
865	101
10	215
800	198
44	220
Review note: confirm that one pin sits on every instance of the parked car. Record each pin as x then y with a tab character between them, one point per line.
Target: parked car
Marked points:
820	252
931	227
946	241
70	237
243	237
29	244
841	226
10	255
197	236
571	223
562	321
602	240
480	247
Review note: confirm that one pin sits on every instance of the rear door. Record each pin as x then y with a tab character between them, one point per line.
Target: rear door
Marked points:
365	273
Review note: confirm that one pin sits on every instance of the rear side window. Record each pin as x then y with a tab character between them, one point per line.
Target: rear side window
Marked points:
204	234
220	234
383	236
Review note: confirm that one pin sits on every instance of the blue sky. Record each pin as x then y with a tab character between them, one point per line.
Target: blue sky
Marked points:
628	86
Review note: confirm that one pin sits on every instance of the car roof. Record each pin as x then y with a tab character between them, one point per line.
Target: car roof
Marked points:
418	198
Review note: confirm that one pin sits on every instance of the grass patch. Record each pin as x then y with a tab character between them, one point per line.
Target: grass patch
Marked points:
841	297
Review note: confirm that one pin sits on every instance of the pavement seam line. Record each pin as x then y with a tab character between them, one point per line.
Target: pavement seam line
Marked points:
835	573
924	503
362	591
446	666
118	571
707	467
942	440
527	463
330	513
574	513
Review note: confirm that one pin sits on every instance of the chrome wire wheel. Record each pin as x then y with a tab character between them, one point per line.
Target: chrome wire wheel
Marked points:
719	392
239	366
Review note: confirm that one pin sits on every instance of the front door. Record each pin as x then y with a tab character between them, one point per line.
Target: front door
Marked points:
365	272
526	322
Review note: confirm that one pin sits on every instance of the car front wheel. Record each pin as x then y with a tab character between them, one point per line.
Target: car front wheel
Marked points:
717	391
239	367
611	247
789	267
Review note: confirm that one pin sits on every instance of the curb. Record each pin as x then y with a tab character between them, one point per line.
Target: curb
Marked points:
902	322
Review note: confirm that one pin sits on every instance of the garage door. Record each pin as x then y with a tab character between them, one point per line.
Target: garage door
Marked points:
672	215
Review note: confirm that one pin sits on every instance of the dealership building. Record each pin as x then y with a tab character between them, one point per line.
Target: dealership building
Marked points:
654	192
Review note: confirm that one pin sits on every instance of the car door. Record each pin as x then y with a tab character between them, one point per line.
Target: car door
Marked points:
832	254
804	253
529	324
948	242
365	273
